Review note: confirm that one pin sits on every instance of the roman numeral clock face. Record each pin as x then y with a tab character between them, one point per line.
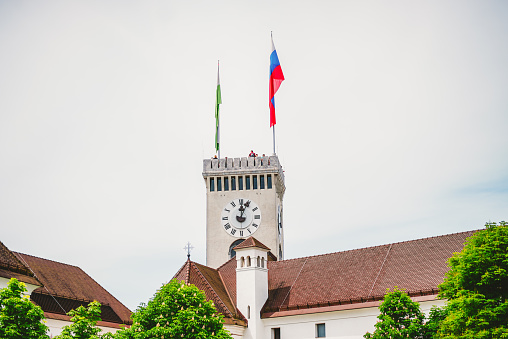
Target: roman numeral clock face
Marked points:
241	218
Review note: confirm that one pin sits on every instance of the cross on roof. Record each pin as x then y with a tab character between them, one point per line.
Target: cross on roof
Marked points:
188	248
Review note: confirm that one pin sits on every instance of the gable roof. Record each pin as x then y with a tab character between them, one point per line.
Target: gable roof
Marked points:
251	242
361	275
66	287
12	267
357	276
209	280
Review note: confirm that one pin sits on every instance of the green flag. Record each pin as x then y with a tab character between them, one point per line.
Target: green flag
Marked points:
218	101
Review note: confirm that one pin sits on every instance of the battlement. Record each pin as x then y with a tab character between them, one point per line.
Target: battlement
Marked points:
245	165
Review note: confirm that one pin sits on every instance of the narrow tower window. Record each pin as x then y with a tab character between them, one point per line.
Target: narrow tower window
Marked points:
219	184
247	182
226	184
240	183
233	183
255	182
276	333
262	182
212	184
269	181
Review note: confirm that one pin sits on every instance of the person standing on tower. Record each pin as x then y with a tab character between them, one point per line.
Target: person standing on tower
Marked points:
252	154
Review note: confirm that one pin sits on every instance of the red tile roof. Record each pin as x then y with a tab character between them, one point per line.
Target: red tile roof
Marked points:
12	267
355	276
209	280
251	242
67	287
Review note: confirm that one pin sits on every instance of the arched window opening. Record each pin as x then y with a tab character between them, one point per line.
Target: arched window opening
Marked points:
248	312
263	262
248	261
258	263
242	262
232	252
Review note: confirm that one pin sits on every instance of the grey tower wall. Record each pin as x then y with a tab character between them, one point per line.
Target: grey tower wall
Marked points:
218	241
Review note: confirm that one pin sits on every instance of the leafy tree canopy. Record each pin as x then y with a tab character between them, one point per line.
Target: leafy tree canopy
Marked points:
84	323
477	287
399	318
177	310
19	317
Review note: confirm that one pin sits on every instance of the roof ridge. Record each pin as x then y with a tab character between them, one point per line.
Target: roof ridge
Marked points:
218	268
380	269
376	246
58	262
227	290
181	268
210	286
294	282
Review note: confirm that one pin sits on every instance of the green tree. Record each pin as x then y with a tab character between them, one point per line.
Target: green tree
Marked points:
477	287
177	310
399	317
19	317
84	323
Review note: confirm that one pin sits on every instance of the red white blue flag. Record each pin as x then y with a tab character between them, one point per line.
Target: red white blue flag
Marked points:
276	78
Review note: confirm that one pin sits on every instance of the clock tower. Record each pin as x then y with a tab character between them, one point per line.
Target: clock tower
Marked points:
243	198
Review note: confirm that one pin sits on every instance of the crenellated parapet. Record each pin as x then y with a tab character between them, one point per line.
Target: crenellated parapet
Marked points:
245	166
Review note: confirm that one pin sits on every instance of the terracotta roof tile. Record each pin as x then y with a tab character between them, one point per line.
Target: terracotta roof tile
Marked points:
209	280
355	276
250	242
418	266
72	285
12	267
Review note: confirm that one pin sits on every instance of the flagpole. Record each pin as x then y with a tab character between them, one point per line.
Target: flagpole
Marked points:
273	139
217	111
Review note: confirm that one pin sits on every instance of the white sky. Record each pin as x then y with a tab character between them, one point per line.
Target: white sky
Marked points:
391	124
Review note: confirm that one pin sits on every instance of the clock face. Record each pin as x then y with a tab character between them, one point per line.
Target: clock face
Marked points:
241	218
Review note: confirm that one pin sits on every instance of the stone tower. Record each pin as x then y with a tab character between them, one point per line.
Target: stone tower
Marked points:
243	198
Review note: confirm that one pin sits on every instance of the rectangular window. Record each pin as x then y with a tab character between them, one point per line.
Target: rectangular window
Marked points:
233	183
275	333
254	182
269	181
226	184
247	182
240	183
219	184
262	182
212	184
320	331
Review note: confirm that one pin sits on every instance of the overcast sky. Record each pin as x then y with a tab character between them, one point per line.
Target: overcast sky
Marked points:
391	124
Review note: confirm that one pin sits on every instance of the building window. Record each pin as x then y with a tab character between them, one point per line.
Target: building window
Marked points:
320	331
233	183
212	184
276	333
240	183
226	184
219	184
269	181
262	182
247	182
248	312
255	182
232	252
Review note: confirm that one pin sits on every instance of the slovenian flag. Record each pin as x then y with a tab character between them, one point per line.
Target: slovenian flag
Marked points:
276	78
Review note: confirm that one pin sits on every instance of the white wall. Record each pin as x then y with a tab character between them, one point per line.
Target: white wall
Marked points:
5	281
55	327
347	324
